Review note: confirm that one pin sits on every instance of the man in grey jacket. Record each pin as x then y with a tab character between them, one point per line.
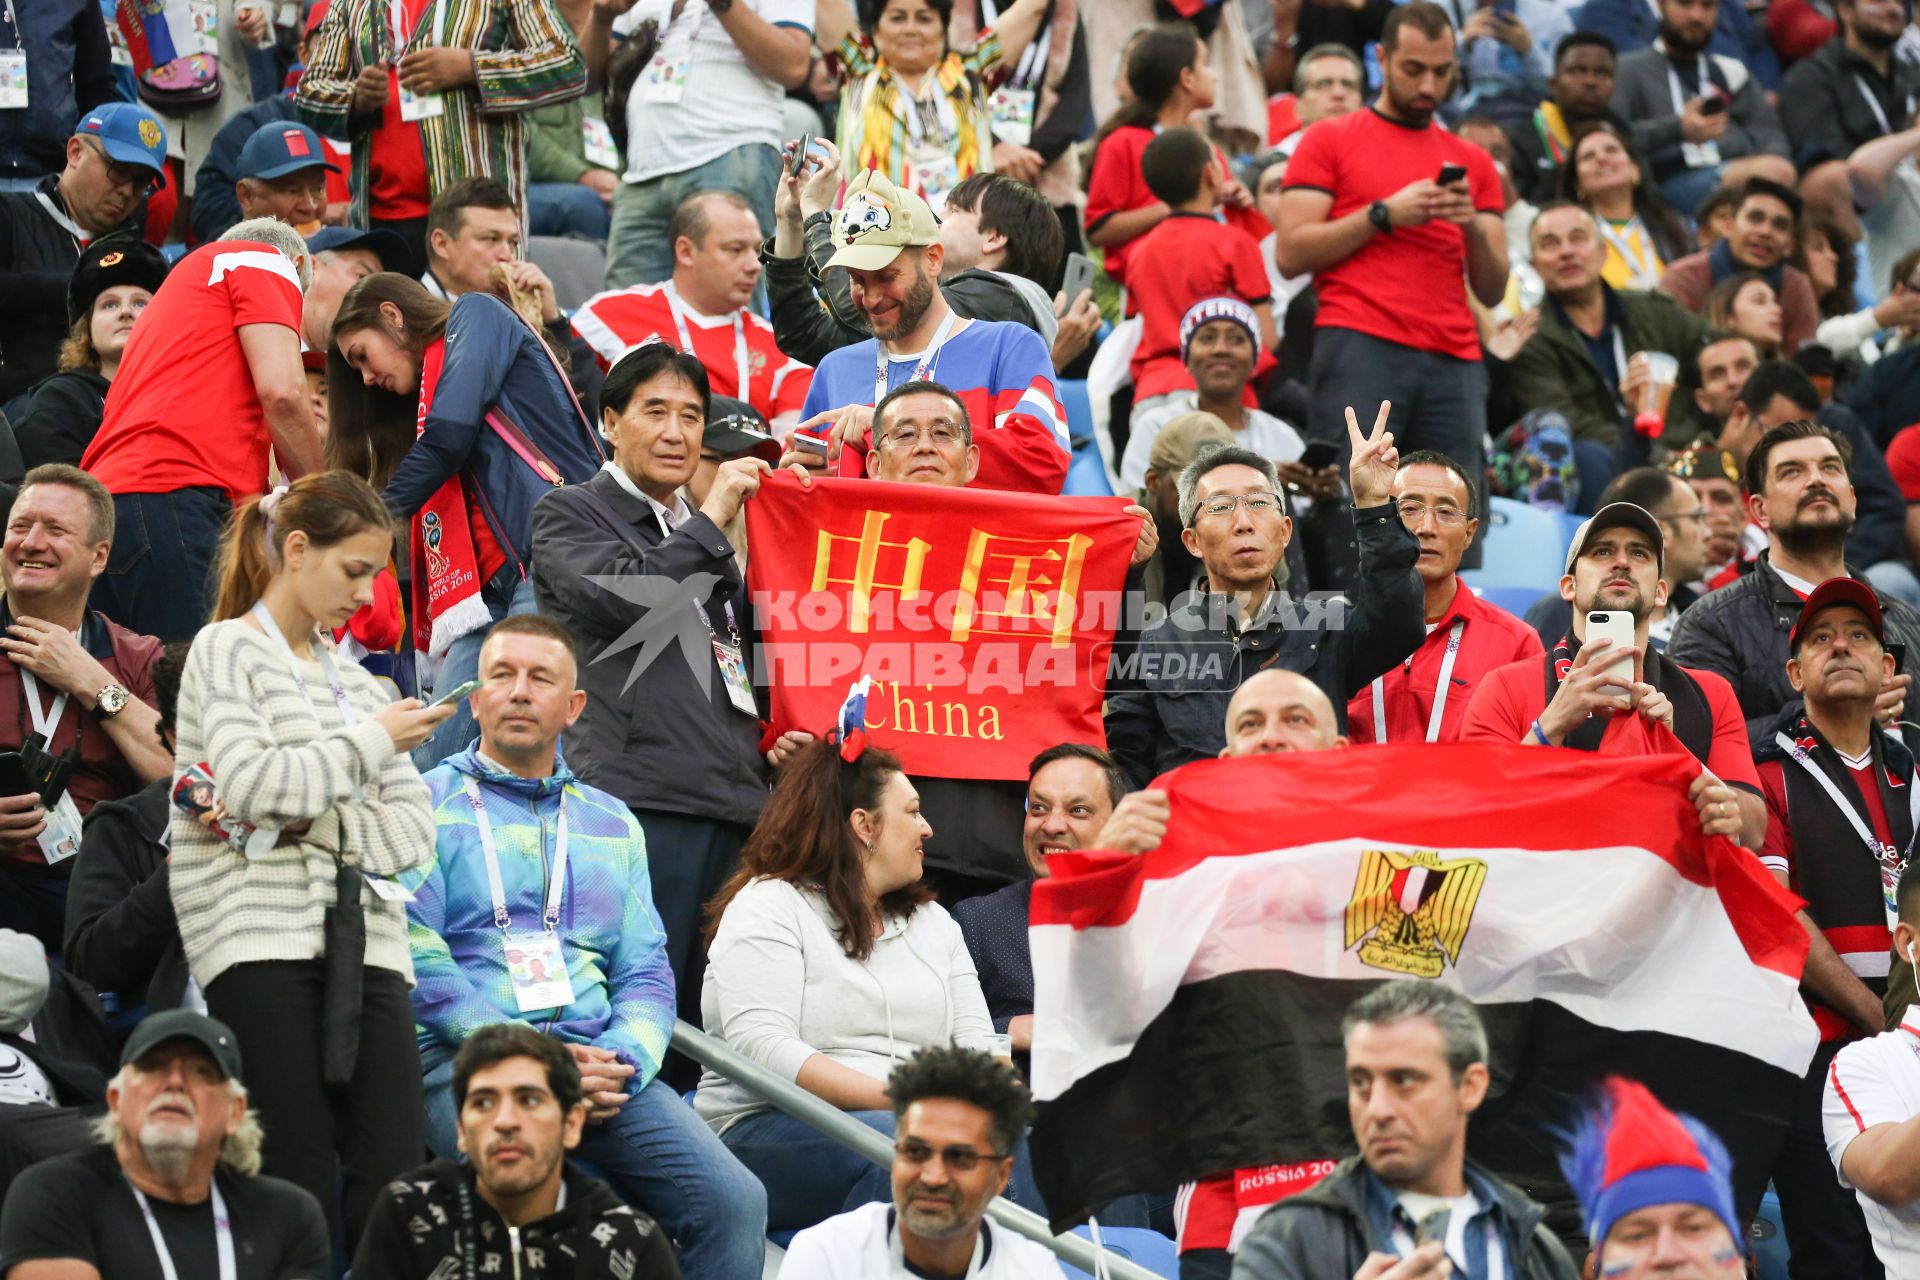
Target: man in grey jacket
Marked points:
1700	119
1410	1206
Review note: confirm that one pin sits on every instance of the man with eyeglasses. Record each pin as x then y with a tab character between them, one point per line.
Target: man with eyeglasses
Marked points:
1170	708
958	1115
1575	697
1424	699
115	158
1328	82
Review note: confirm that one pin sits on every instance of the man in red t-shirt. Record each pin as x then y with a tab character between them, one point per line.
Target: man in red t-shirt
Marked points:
704	310
1570	698
1365	210
210	380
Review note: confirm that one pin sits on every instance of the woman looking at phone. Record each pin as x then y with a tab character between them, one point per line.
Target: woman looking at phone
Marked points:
300	942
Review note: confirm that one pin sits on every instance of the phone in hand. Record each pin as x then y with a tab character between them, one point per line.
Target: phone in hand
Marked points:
1319	455
808	441
1899	652
1433	1227
454	694
1079	276
1713	104
1615	625
1451	173
797	162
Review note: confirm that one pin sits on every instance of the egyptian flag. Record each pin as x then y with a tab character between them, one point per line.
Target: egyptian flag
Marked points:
1187	1003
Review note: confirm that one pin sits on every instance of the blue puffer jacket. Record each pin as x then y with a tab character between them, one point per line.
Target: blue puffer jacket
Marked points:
495	360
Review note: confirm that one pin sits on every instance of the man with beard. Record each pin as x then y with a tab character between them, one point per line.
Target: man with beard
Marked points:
1701	120
1001	372
1800	492
174	1188
1389	245
1580	90
1850	92
1832	783
1573	698
957	1114
1765	227
522	1108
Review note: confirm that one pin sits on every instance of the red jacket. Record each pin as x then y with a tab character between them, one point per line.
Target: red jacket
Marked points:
1490	638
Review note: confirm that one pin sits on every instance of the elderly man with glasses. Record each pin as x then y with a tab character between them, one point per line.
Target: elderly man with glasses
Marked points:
1168	698
116	156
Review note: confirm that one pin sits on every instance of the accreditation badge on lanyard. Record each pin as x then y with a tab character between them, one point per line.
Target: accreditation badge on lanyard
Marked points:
665	78
1890	861
61	839
415	107
13	65
1012	105
536	959
931	163
731	658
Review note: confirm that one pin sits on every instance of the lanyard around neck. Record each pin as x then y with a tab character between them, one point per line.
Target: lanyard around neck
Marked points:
557	879
1873	104
1440	689
742	369
46	724
1881	852
222	1234
928	358
324	655
402	37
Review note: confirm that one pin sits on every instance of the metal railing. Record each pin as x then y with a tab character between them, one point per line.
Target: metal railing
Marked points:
717	1056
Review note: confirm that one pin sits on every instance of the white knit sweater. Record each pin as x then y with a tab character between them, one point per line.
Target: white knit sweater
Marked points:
277	759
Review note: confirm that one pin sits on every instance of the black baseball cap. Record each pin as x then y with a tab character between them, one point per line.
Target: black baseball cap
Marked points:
184	1024
735	429
383	244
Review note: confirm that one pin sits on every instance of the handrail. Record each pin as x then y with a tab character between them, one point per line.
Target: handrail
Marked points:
717	1055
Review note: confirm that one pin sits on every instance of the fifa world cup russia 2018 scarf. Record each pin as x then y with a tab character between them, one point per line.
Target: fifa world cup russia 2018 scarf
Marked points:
447	576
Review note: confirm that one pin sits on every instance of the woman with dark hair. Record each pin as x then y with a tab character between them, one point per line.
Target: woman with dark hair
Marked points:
1643	235
465	419
1745	305
829	964
910	106
283	891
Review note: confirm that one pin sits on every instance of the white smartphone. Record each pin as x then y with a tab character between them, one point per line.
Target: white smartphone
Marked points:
1615	625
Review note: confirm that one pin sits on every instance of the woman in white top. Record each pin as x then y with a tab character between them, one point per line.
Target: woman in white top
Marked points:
829	964
282	861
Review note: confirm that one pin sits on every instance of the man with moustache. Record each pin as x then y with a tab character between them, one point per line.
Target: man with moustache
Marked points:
522	1110
957	1115
1572	698
174	1188
1801	494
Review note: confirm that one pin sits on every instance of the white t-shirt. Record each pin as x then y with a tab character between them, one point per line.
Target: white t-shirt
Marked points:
1874	1082
725	102
1265	434
1462	1208
854	1246
1893	224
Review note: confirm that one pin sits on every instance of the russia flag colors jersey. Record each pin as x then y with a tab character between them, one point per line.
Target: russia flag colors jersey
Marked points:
1001	371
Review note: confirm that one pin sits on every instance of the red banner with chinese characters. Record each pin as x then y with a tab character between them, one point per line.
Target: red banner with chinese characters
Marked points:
984	617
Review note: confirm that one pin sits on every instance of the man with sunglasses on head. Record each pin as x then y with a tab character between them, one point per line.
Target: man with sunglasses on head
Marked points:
115	158
957	1114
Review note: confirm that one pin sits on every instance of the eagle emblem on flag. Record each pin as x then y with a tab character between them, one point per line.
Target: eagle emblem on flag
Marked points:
1410	912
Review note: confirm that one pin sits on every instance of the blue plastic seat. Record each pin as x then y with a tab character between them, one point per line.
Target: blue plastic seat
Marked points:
1768	1239
1087	472
1522	546
1515	600
1142	1246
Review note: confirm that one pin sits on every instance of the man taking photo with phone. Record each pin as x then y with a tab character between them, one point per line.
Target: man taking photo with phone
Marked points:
1581	693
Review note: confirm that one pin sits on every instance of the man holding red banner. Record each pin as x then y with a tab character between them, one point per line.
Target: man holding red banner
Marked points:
971	783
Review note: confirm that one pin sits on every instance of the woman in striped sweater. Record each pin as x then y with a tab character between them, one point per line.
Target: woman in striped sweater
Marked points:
292	924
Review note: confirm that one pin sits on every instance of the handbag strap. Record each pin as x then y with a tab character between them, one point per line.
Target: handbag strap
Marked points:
566	383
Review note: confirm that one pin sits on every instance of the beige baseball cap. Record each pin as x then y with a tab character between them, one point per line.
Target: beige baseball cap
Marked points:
876	221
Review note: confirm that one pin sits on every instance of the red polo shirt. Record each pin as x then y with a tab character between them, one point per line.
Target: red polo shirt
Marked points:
1490	638
102	773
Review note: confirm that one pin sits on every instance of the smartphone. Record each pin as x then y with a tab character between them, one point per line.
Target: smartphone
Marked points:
454	694
1615	625
1320	455
1079	276
1899	652
1451	173
811	443
1433	1227
797	162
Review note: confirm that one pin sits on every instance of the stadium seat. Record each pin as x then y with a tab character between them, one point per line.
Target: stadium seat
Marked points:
1142	1246
1087	472
1768	1240
1515	600
576	267
1523	547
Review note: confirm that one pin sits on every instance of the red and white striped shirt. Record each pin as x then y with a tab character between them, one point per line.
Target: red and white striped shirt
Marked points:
1877	1082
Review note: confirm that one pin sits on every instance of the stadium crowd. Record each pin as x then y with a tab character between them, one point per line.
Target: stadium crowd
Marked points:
402	408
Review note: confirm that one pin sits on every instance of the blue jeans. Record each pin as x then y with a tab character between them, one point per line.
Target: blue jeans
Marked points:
567	209
638	251
159	573
660	1158
1893	578
462	664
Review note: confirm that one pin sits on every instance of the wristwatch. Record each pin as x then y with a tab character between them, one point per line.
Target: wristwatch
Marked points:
111	701
1378	215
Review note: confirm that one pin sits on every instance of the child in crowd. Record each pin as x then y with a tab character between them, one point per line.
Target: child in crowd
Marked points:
1171	78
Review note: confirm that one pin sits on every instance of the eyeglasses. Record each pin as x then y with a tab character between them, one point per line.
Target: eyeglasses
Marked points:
140	181
956	1159
1411	509
939	435
1256	504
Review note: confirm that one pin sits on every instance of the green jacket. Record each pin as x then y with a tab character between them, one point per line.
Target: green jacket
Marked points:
555	150
1555	371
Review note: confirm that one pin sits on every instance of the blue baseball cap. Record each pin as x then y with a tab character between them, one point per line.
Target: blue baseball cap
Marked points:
130	133
383	244
280	148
